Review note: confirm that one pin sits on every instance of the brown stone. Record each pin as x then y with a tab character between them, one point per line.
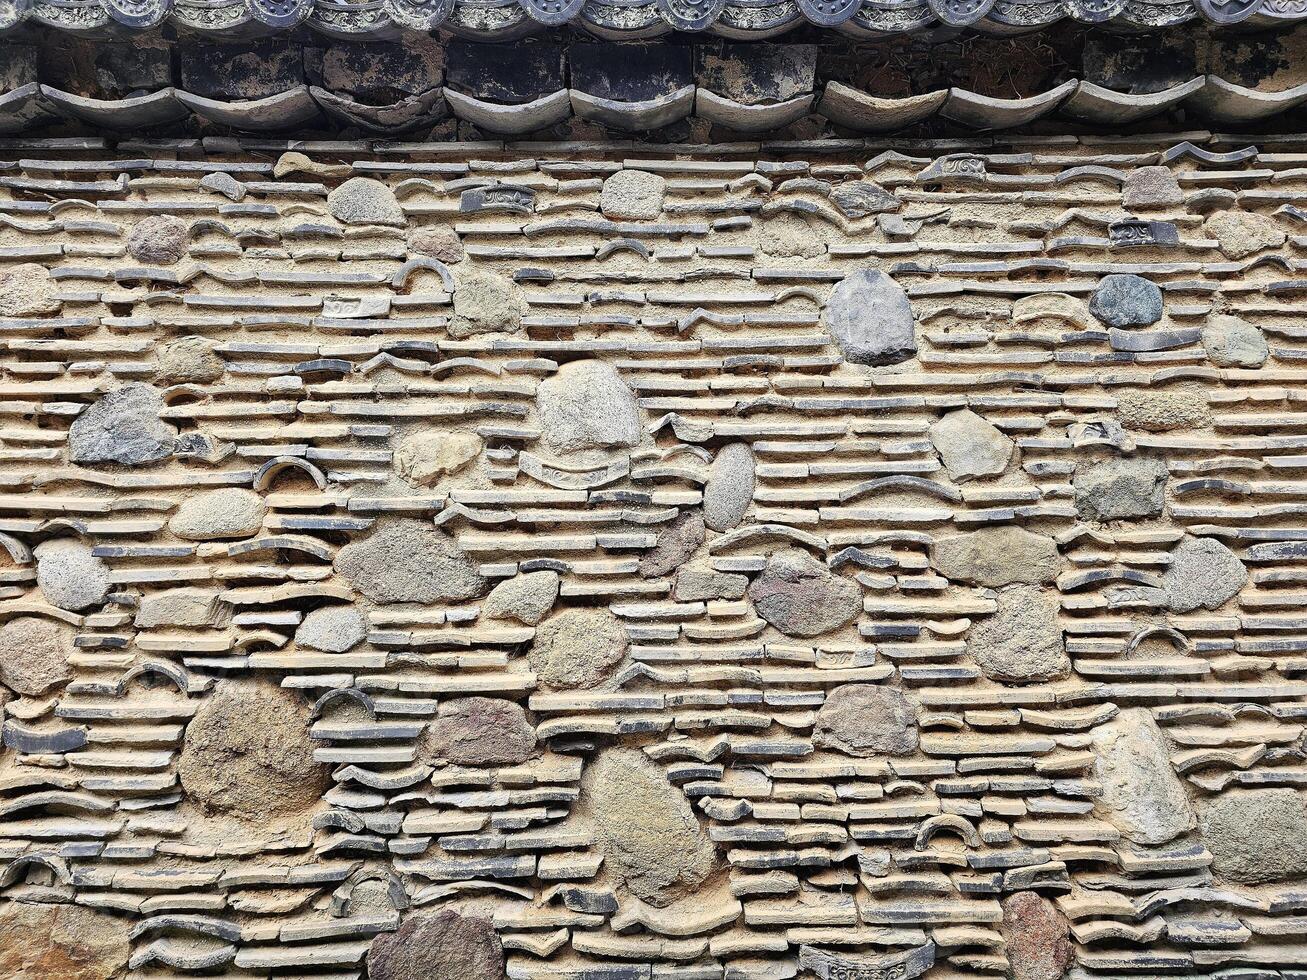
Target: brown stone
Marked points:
480	732
801	597
578	648
34	654
1038	937
160	239
676	542
867	720
444	945
61	942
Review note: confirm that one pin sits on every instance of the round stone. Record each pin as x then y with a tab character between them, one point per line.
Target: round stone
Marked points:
444	944
801	597
1234	342
438	242
70	576
1120	489
527	597
1203	574
480	732
332	629
189	360
1021	641
408	560
247	753
728	493
1256	836
867	720
230	512
425	457
632	195
485	302
160	239
869	317
27	290
364	201
587	405
578	648
34	654
1126	301
122	427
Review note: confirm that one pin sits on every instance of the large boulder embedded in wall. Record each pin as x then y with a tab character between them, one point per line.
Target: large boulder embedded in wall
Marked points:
997	556
578	648
332	629
122	427
480	731
1141	794
247	753
159	239
1124	300
526	597
445	944
69	574
1038	937
62	942
651	836
408	560
869	317
364	201
1120	489
866	720
1021	641
587	405
1233	342
676	542
1256	836
34	654
229	512
729	490
970	446
1203	574
800	596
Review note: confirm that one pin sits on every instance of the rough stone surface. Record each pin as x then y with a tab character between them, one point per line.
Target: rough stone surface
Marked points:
997	556
364	201
34	654
801	597
870	318
700	583
632	195
1256	836
214	515
485	302
867	720
677	541
970	446
1126	301
247	753
578	648
122	427
62	942
1120	489
425	457
438	944
332	629
69	575
1151	187
27	290
1038	937
408	560
1203	574
188	360
1242	233
1163	409
1021	641
527	598
729	490
790	236
652	839
438	242
862	198
1142	796
191	607
586	405
480	732
160	239
1234	342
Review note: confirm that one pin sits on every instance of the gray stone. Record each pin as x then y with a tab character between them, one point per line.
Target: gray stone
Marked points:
862	198
332	629
224	184
1021	641
700	583
1126	301
425	457
34	654
189	360
578	648
526	598
970	446
586	405
445	944
1242	234
485	302
160	239
997	556
1234	342
69	575
1141	794
867	720
676	542
729	490
408	560
479	732
1203	574
191	607
364	201
1151	187
652	840
438	242
801	597
632	195
214	515
122	427
870	318
27	290
1120	489
1256	836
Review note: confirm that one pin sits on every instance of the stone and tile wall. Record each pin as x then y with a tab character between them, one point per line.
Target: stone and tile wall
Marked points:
570	561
